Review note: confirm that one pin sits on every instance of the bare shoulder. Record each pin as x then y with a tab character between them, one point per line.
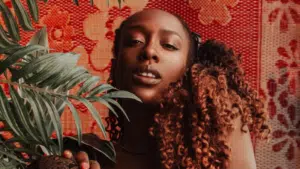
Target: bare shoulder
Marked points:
241	147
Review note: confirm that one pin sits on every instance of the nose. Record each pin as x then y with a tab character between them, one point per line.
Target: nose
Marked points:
150	52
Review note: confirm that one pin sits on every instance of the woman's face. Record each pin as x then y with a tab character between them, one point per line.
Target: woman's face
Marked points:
153	51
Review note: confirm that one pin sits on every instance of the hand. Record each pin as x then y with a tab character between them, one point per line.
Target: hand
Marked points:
82	159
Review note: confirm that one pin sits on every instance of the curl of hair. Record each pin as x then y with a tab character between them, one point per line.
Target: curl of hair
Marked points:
215	53
221	96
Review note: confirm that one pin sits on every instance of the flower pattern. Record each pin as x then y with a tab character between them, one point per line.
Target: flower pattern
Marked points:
102	31
290	66
133	4
100	27
212	10
289	136
60	32
95	27
285	10
282	99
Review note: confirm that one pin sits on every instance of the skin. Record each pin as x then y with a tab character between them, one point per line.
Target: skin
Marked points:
148	41
157	40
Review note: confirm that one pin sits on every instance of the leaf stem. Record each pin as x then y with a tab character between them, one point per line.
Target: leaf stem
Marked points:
34	88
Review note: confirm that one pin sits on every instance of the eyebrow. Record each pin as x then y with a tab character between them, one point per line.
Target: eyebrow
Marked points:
144	30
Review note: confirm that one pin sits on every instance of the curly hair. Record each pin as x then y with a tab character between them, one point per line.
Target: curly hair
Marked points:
198	111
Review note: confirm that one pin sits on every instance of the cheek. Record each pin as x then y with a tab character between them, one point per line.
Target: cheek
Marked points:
124	66
173	69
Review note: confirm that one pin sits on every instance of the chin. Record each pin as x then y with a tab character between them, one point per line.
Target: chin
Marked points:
148	96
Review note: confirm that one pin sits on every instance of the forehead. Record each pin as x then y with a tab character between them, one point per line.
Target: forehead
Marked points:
156	19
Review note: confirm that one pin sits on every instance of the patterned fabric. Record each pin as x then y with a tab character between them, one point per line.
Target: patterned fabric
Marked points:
265	32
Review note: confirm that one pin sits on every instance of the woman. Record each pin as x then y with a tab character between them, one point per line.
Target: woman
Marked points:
196	105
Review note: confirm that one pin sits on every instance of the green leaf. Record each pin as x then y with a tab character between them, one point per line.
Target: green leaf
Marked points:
73	73
18	55
24	150
23	16
34	65
68	59
76	118
12	156
9	163
38	116
94	113
62	62
75	81
45	73
88	84
23	114
12	140
10	22
53	69
6	128
55	120
60	105
122	94
10	50
20	64
100	89
40	38
104	102
34	10
4	39
118	106
56	76
6	113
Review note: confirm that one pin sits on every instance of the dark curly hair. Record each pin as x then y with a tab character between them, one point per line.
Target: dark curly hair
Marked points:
198	111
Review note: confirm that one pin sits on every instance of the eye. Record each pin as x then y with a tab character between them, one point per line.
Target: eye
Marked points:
170	47
133	42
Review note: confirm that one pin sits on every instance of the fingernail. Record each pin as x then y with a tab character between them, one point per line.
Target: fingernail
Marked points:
84	165
67	154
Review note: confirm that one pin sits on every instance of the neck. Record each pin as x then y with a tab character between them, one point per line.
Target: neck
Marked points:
136	138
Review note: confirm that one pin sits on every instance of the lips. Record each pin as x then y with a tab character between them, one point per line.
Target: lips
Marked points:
146	75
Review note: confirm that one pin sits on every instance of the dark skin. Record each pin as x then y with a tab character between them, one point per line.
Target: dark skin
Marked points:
153	53
147	45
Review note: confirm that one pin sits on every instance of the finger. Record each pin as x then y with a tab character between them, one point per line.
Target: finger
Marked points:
94	164
82	157
84	165
68	154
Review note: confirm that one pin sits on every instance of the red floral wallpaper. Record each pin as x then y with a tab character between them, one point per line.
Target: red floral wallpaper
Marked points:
265	32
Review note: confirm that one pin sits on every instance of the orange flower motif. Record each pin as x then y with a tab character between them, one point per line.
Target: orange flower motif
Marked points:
100	27
213	10
282	104
286	11
289	66
59	31
133	4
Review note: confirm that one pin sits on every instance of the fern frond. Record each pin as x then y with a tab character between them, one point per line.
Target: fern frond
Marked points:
39	88
23	17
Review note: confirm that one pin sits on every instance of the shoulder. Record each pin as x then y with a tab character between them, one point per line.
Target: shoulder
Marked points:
241	146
